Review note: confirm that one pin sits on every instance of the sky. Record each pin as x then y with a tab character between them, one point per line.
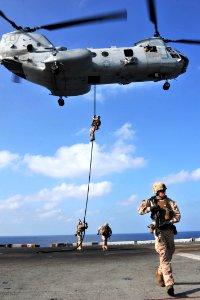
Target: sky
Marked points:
147	134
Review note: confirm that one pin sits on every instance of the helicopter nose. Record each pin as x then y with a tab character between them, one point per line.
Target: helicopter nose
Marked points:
185	61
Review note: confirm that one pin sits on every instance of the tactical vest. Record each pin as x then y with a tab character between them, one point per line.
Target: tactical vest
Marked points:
80	228
166	212
106	231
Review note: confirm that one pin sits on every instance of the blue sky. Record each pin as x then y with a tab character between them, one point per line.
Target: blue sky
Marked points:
147	134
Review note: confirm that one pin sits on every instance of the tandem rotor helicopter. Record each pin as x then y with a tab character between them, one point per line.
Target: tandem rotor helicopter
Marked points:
72	72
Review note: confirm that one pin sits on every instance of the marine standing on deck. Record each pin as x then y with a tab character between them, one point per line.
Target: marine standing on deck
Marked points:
105	232
81	227
164	213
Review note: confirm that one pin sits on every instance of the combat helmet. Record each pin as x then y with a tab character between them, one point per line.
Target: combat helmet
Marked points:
158	186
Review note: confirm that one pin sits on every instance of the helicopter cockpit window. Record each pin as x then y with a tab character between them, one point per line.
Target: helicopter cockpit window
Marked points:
173	53
105	53
94	54
128	52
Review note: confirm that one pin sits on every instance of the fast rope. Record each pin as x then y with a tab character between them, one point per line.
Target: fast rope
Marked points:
91	154
90	170
88	188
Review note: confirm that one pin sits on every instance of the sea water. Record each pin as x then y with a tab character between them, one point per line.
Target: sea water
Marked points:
45	240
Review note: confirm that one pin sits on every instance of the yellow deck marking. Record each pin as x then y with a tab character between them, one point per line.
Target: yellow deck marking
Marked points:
187	249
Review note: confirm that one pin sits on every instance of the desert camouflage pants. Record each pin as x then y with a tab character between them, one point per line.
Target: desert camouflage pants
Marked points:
164	245
105	242
79	242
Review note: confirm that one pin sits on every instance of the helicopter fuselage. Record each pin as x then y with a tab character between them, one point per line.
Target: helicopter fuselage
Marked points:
72	72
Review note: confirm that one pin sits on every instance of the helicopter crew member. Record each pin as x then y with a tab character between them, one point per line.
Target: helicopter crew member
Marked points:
81	227
96	122
105	232
164	213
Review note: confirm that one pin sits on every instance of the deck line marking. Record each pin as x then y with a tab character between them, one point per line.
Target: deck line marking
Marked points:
187	249
189	255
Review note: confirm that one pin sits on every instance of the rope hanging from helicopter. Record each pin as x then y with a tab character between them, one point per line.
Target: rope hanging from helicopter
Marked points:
90	169
88	186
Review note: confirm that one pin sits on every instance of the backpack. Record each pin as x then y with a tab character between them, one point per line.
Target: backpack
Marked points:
106	231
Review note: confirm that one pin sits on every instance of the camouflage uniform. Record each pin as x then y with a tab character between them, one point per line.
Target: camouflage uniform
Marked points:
81	226
96	122
164	237
105	232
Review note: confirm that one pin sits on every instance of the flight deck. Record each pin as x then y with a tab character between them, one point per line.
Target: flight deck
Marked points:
125	271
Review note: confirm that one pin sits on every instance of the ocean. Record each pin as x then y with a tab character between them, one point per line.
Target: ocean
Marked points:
45	240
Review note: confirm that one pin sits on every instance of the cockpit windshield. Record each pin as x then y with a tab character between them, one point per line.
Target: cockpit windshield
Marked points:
173	53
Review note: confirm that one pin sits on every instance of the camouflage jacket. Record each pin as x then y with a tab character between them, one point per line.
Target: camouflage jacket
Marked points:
145	207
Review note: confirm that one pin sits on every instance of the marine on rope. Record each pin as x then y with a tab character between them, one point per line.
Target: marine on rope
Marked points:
80	231
96	120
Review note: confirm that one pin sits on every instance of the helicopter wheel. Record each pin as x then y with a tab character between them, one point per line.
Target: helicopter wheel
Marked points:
61	102
166	86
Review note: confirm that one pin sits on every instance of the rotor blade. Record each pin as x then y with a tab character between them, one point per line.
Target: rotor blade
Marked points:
184	41
152	15
9	21
94	19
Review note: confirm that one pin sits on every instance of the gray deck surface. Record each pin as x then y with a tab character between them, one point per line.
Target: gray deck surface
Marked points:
123	272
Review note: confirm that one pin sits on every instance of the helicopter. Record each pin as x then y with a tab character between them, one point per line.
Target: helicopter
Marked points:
67	72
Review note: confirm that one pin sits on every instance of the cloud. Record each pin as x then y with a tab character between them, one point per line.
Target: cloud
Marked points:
46	214
73	161
125	132
182	176
11	203
129	201
50	197
50	210
69	191
83	131
7	159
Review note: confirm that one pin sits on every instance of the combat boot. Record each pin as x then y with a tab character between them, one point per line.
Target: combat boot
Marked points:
160	279
170	290
92	138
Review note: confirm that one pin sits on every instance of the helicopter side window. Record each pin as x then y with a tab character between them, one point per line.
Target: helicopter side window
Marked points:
30	48
104	53
149	48
128	52
129	58
94	54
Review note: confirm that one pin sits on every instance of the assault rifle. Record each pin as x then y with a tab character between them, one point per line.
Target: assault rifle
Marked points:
155	216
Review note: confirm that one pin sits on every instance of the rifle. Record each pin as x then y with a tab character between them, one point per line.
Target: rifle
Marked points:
155	216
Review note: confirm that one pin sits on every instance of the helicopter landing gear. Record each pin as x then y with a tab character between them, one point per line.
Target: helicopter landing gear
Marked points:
61	101
166	86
